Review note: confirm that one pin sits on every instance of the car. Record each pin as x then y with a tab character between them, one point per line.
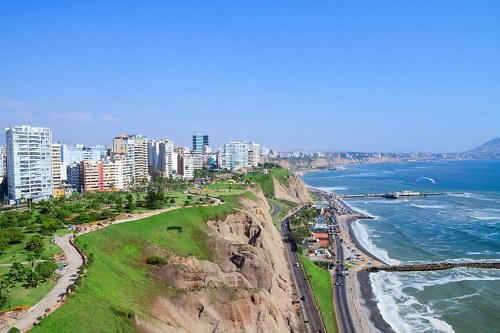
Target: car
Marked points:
302	298
296	264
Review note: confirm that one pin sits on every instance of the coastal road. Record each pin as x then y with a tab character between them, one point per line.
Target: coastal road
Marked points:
312	318
275	209
344	318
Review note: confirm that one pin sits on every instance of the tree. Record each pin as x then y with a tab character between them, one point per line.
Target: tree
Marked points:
18	271
46	269
33	279
131	204
35	247
7	282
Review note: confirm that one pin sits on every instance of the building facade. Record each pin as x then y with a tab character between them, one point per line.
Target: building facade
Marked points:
133	150
253	154
29	162
78	153
236	155
56	167
104	175
199	142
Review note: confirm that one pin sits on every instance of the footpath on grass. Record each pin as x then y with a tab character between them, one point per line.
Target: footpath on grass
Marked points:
74	260
55	297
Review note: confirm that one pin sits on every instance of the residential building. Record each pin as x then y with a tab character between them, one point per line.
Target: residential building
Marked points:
236	155
2	164
73	176
199	142
104	175
29	162
165	158
153	153
78	153
133	149
56	167
185	162
253	154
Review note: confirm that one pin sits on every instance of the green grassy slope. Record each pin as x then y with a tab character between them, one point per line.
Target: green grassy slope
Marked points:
117	285
321	283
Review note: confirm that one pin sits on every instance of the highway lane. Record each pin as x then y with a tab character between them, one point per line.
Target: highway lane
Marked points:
344	318
311	313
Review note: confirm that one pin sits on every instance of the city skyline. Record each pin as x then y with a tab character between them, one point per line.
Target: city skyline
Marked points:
366	77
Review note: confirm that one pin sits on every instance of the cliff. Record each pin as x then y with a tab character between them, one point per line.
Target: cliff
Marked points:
247	288
294	191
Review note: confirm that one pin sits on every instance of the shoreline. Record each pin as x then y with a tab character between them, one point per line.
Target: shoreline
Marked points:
362	297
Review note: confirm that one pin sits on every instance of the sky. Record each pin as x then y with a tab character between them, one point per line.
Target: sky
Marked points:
370	76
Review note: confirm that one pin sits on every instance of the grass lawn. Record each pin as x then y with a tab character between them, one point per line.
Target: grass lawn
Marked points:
321	284
30	296
265	182
281	175
16	252
117	285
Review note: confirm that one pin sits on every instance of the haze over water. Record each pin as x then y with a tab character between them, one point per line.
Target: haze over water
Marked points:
429	229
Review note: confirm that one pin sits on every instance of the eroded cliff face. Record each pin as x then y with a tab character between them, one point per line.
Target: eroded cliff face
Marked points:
248	288
295	191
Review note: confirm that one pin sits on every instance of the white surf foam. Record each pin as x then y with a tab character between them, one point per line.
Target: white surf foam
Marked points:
402	311
489	214
429	206
473	196
363	236
330	189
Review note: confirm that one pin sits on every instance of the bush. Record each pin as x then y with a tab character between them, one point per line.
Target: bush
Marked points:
156	260
14	330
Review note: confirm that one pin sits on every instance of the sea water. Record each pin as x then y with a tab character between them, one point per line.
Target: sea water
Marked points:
453	227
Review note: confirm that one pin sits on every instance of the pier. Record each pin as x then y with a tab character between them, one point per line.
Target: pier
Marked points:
394	195
434	266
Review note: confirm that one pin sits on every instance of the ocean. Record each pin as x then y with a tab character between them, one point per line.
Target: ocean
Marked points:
452	227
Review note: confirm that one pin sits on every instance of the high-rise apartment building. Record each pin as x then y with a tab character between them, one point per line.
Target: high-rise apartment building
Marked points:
165	158
253	154
102	175
199	142
134	150
29	162
56	166
2	164
78	153
236	155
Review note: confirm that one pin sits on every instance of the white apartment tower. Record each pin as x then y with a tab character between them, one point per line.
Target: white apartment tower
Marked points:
253	154
165	158
2	164
56	165
134	150
29	162
236	153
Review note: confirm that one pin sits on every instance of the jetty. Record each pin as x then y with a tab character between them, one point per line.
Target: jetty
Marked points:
394	195
434	266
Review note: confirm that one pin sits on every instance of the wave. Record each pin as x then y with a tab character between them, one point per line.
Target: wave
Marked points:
402	311
473	196
362	235
429	206
421	280
489	214
330	189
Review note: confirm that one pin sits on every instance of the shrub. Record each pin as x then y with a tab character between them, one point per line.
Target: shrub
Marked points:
156	260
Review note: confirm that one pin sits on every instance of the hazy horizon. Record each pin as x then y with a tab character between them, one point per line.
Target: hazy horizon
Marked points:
364	76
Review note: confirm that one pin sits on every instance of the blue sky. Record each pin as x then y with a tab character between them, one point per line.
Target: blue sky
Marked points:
390	76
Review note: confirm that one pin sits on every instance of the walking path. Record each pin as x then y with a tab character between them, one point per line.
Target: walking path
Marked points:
55	297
